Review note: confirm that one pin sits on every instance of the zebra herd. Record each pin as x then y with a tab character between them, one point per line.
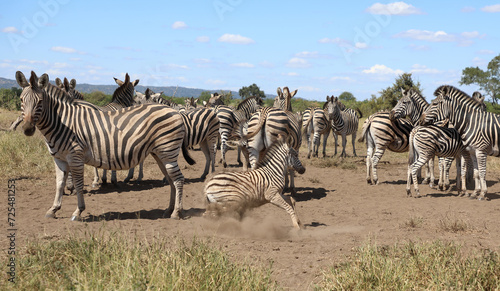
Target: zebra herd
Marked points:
122	134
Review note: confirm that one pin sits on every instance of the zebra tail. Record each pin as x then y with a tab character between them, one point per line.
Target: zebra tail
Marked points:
306	125
185	153
262	119
411	151
360	113
366	126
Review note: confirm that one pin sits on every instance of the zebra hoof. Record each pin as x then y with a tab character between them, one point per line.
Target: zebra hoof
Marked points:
95	185
224	165
50	215
75	218
425	181
126	180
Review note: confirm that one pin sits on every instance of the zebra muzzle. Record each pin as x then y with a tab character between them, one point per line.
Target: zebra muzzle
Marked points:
29	128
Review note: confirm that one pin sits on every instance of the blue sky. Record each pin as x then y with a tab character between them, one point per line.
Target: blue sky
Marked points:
318	47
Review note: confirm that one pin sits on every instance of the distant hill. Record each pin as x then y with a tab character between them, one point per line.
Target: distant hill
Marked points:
109	89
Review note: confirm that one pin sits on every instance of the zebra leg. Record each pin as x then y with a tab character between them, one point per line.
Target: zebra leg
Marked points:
61	177
95	183
130	175
176	180
316	138
477	181
291	173
441	162
467	164
344	143
481	162
238	159
376	158
430	172
223	151
69	184
114	181
16	123
335	136
325	139
460	182
288	204
369	155
354	144
141	172
446	170
422	160
208	158
104	177
77	172
408	180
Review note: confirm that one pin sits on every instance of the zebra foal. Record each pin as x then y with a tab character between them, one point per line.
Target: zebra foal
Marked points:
429	141
239	191
78	133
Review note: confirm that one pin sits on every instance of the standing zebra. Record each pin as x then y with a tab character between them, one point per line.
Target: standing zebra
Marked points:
429	141
229	119
202	126
315	121
239	191
381	133
113	140
343	122
478	129
215	99
69	87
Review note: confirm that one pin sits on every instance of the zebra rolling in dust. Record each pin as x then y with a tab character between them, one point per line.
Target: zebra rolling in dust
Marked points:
238	191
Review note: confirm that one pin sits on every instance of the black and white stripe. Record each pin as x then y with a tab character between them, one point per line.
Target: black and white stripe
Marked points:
429	141
78	133
478	129
315	122
239	191
344	122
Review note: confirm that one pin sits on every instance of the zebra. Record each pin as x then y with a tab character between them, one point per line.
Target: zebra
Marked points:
241	190
120	99
478	129
229	119
380	134
429	141
202	127
78	133
190	103
215	99
315	121
343	122
69	87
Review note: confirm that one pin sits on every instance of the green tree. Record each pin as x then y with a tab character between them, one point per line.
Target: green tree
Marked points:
389	96
347	97
488	81
9	98
252	90
205	96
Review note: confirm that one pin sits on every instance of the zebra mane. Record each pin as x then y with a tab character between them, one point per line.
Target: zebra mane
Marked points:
270	153
416	96
456	94
125	90
58	93
249	99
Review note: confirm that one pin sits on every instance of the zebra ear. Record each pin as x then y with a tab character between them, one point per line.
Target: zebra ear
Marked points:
147	93
205	103
43	81
21	80
403	91
72	83
118	82
478	96
293	93
66	85
280	94
135	82
59	83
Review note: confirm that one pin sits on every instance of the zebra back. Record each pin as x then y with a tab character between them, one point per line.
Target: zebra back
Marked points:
249	106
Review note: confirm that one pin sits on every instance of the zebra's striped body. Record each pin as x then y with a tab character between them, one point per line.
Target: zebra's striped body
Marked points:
344	122
315	122
190	103
478	129
429	141
229	119
380	134
202	128
78	133
242	190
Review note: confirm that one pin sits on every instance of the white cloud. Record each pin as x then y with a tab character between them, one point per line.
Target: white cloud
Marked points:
203	39
471	34
336	40
266	64
438	36
422	69
179	25
235	39
243	65
396	8
340	78
202	61
468	9
10	29
486	52
382	70
292	74
297	63
215	82
477	61
60	65
491	8
175	66
306	54
419	47
361	45
61	49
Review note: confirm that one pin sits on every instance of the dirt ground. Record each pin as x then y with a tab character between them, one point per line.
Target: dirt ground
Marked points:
339	209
